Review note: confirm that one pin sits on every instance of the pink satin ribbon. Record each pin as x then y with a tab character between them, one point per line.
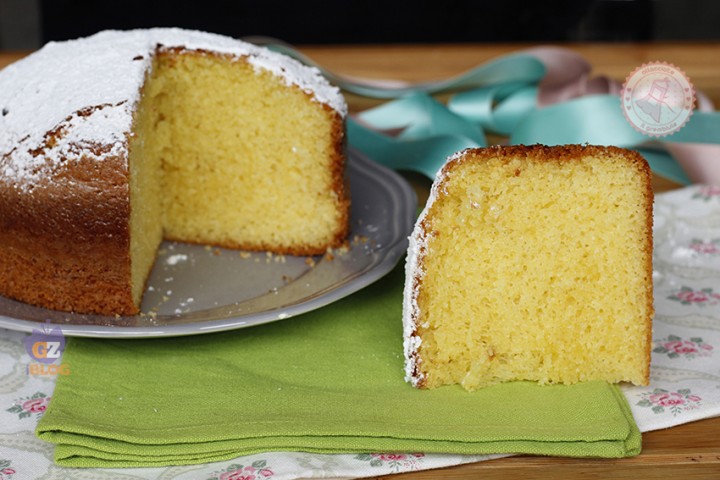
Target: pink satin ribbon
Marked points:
568	77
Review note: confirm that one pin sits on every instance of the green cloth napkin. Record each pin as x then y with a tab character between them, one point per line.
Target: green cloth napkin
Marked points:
329	381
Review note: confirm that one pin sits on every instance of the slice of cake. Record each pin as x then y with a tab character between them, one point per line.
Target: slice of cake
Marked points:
532	263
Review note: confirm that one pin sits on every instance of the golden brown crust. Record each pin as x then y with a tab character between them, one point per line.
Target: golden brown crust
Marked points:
74	279
66	245
647	250
339	182
556	153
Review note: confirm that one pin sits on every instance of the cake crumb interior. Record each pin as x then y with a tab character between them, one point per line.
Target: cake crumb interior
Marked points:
227	155
534	274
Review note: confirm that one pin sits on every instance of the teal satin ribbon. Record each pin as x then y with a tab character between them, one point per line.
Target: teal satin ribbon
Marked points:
500	97
598	120
512	110
429	133
498	108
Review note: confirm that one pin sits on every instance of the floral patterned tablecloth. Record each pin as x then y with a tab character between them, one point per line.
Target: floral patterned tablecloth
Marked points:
685	374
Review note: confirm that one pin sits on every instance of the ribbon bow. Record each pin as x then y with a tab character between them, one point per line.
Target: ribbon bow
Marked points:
541	95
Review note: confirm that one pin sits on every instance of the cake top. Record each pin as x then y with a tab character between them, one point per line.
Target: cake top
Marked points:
85	91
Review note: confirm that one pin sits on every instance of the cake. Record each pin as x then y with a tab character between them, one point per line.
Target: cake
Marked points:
111	143
532	263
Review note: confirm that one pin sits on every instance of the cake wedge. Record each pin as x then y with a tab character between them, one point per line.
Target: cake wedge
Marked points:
532	263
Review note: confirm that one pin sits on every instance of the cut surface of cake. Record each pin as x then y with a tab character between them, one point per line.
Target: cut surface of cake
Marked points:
111	143
532	263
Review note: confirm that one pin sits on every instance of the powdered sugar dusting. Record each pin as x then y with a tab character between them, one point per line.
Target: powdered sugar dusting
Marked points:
85	91
414	273
176	258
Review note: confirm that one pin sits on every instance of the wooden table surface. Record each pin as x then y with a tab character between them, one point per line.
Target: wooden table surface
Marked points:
691	450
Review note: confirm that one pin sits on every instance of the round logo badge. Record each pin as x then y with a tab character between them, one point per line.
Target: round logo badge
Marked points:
657	99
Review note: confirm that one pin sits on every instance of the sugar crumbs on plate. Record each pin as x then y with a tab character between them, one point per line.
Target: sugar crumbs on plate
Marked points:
358	239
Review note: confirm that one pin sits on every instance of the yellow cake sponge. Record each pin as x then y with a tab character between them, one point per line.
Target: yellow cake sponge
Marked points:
532	263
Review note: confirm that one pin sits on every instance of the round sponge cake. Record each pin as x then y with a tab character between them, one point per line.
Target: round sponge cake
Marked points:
110	143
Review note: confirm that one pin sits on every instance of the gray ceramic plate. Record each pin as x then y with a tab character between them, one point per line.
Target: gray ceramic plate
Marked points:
195	289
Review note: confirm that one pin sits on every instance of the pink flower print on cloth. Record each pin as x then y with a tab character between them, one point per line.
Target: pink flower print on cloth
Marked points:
6	472
661	401
703	247
675	347
707	192
703	297
27	406
257	471
394	461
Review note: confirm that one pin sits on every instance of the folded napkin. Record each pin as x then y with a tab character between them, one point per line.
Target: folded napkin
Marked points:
329	381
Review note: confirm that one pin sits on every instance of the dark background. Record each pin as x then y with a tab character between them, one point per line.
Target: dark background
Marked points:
30	23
